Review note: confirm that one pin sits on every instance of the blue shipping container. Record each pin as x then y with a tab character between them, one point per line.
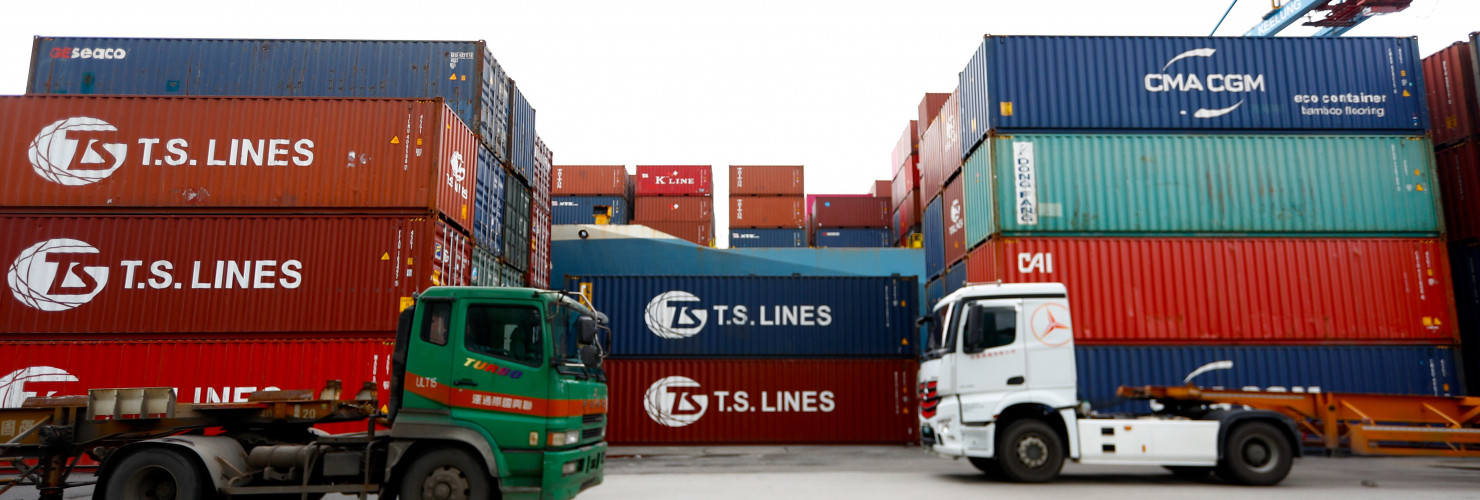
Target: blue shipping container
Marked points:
465	74
1022	83
521	134
853	238
582	209
934	231
1464	261
767	238
488	203
1425	370
760	316
955	278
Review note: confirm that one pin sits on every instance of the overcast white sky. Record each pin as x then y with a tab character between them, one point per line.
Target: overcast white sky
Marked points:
826	84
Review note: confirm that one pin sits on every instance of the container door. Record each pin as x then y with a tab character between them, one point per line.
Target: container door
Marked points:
498	376
992	363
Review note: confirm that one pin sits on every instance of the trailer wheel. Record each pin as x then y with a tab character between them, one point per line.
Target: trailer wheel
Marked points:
988	466
156	474
446	474
1255	454
1030	452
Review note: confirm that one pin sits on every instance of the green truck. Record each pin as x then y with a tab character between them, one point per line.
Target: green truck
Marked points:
495	393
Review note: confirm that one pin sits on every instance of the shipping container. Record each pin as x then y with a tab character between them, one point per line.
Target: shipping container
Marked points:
488	205
462	72
1275	84
953	212
881	189
907	146
539	220
932	228
950	144
907	217
682	180
589	180
767	238
906	181
521	134
1465	257
853	237
674	208
517	216
766	211
1228	290
753	180
740	316
84	153
762	401
955	278
606	253
811	204
849	211
698	233
213	275
934	291
930	108
1450	77
1198	184
581	209
486	268
1459	186
1416	370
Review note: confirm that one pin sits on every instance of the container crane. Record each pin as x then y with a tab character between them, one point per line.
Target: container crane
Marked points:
1341	15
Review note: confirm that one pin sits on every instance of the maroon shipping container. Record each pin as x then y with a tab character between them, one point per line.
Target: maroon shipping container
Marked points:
538	273
930	108
698	233
880	189
674	208
208	154
906	180
767	212
751	180
1237	291
907	216
953	211
681	180
1459	180
940	151
589	180
908	145
1449	76
208	275
762	401
850	211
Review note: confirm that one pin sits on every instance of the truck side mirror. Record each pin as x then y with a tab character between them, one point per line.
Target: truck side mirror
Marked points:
590	356
586	326
924	320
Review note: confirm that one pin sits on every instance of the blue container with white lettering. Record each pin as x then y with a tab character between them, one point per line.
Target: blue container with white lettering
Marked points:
934	231
488	203
583	209
1148	84
767	238
756	316
465	74
853	237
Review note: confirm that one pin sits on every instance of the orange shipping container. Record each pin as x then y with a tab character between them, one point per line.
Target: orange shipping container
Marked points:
766	180
674	208
589	180
767	212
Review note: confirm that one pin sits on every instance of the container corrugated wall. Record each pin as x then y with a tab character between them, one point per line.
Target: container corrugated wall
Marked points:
767	211
853	238
580	209
521	134
930	107
934	291
1188	184
517	216
767	238
955	278
488	206
1420	370
761	180
464	73
1184	83
539	220
1450	77
908	145
850	211
749	316
761	401
589	180
1224	290
907	218
1459	182
674	208
680	180
953	213
698	233
932	226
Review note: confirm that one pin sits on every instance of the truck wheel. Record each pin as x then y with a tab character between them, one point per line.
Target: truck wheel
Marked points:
446	474
156	473
1030	452
1255	454
988	466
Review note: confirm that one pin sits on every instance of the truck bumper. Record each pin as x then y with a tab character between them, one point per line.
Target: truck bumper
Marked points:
587	465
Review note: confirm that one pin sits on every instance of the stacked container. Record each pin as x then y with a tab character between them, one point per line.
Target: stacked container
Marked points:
675	199
1184	190
538	275
1450	76
904	190
590	194
849	221
767	206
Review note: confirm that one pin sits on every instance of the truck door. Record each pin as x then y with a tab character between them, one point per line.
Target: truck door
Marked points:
428	359
499	375
992	363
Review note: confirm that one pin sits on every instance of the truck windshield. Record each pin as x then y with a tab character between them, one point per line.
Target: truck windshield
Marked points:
565	334
938	338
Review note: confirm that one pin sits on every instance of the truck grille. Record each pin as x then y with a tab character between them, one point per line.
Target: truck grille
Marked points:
592	433
594	418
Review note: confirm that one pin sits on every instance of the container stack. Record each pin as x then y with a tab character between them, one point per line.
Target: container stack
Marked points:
767	206
538	275
943	221
676	199
1450	76
590	194
758	359
904	192
849	221
1259	200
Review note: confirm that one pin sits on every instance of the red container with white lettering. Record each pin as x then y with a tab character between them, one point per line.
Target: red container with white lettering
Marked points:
1454	106
953	211
680	180
83	154
737	401
111	276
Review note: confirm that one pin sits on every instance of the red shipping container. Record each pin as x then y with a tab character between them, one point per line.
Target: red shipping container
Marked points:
766	212
538	273
908	145
953	210
907	216
762	401
674	208
880	189
1449	76
1459	180
930	107
275	155
589	180
932	164
812	201
1235	290
681	180
751	180
211	275
698	233
847	211
905	181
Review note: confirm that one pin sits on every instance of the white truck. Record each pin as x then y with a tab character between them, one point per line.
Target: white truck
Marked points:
998	387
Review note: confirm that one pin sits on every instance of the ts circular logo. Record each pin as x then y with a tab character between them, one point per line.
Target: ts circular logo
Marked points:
459	172
54	276
73	152
675	401
1050	324
673	315
13	385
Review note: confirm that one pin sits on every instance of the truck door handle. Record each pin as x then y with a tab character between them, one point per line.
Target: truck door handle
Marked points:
465	381
1018	380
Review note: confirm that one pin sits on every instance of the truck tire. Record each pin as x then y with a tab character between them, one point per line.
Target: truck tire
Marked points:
1030	452
446	474
156	473
988	466
1255	454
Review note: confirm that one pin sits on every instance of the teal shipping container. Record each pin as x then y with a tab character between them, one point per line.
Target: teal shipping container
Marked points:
1182	185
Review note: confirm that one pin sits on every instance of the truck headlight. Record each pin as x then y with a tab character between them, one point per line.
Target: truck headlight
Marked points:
564	438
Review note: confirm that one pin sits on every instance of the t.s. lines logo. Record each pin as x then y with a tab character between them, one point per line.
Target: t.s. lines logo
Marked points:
677	314
677	401
55	275
1234	83
457	174
13	385
73	152
672	315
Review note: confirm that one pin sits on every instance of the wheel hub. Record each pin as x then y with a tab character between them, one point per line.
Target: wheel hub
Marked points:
1259	455
1032	451
445	483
